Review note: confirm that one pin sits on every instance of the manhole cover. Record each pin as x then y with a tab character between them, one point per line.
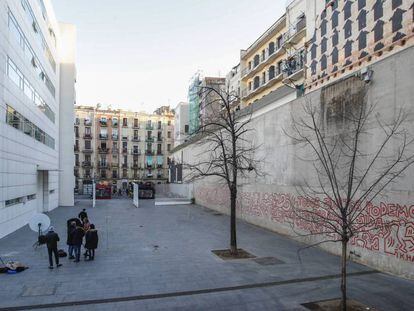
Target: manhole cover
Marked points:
41	290
268	261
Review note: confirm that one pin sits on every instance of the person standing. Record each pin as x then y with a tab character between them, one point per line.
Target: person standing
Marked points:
83	214
91	242
77	242
69	241
52	239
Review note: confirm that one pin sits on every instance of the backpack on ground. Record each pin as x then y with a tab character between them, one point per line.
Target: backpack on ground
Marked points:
62	253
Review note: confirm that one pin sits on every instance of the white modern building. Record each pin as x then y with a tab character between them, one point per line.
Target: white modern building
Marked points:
37	96
181	122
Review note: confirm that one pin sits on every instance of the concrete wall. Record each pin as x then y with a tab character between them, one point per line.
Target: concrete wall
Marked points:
268	201
176	190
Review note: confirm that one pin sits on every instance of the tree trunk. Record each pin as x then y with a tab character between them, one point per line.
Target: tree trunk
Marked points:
343	274
233	239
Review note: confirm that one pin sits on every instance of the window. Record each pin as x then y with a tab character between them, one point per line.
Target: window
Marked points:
159	125
31	57
186	128
256	82
124	145
13	201
76	131
250	85
114	121
159	149
136	124
263	55
15	119
279	41
271	48
23	84
169	147
114	146
87	157
169	122
271	72
168	134
256	60
125	122
136	134
263	77
87	144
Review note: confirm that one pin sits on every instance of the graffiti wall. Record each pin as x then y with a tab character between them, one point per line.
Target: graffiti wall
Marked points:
353	33
396	240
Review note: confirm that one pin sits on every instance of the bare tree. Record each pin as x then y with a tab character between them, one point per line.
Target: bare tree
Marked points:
226	153
354	156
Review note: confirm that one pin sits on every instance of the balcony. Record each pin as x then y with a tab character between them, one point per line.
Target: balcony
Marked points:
103	165
115	150
87	136
124	124
124	138
76	148
136	126
86	176
136	139
114	124
159	176
149	127
149	152
159	139
76	163
159	152
124	150
86	164
87	122
294	67
87	150
114	165
124	165
115	137
296	33
135	166
149	139
246	93
76	173
103	123
271	55
114	176
136	152
103	137
103	150
159	165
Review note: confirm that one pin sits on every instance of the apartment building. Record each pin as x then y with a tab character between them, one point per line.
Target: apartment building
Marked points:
277	58
37	78
232	84
348	36
209	100
181	123
118	147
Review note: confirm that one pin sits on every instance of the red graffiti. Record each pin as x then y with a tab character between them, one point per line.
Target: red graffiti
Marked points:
388	227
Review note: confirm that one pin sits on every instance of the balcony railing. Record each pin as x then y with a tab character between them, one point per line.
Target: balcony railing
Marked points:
76	148
103	150
149	127
294	64
87	122
114	176
115	137
87	136
103	137
136	126
149	152
136	152
136	139
149	139
124	150
124	138
115	150
124	165
135	166
76	163
86	164
87	176
87	150
115	165
103	165
277	75
159	152
115	124
159	138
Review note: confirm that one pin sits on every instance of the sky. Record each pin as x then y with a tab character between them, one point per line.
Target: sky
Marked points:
141	54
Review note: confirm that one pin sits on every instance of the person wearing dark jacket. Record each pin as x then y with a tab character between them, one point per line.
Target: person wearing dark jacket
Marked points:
52	239
69	241
82	215
91	242
77	241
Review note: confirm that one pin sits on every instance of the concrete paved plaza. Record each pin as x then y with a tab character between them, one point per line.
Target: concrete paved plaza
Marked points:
159	258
